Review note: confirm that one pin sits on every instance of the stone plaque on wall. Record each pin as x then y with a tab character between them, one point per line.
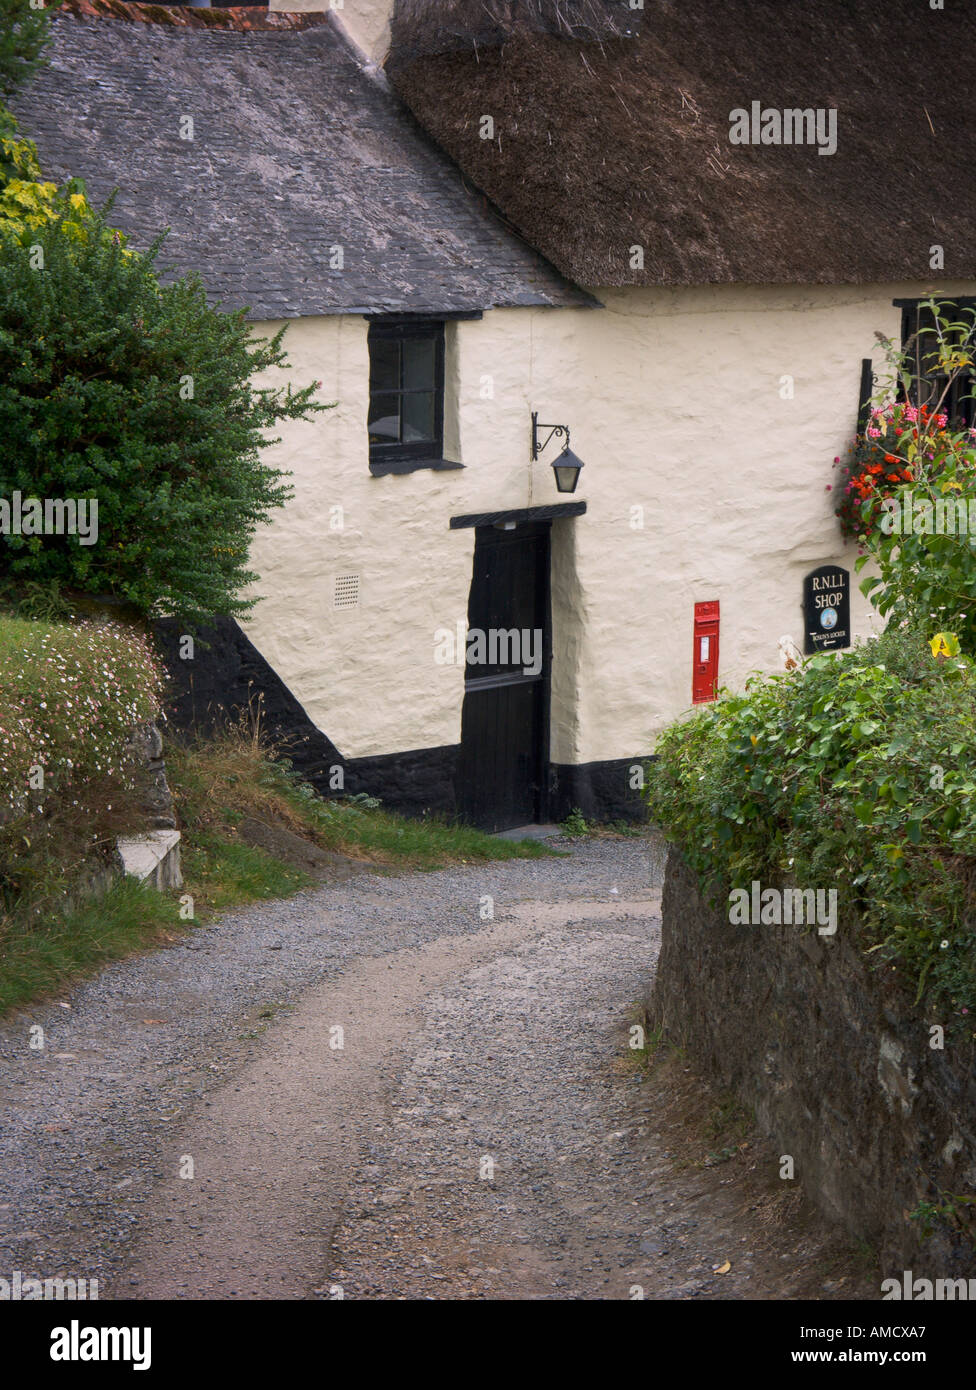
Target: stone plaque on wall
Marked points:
827	609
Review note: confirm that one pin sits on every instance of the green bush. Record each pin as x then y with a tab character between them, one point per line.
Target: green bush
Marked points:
854	773
140	397
24	34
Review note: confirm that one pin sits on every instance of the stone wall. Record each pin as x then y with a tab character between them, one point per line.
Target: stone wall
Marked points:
146	747
152	856
836	1063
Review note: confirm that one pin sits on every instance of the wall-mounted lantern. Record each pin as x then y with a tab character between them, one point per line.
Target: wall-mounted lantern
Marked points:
567	465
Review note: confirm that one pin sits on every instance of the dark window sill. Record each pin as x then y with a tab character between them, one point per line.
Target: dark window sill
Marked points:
380	469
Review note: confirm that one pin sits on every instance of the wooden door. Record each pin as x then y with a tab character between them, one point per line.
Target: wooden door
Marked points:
505	719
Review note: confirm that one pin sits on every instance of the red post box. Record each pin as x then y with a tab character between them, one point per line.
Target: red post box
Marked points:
704	677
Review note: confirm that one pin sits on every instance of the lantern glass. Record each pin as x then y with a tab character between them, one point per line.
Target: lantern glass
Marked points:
567	470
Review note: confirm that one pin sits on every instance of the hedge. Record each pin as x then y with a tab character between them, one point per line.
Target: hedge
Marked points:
854	772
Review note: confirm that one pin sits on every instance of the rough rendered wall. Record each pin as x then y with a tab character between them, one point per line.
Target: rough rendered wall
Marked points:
367	22
673	399
836	1063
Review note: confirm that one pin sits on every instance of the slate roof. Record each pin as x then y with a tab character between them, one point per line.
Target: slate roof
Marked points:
605	144
296	149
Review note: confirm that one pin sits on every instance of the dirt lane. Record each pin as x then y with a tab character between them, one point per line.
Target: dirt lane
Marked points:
484	1131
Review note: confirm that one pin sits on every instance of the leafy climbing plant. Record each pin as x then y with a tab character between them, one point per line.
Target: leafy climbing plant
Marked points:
914	508
28	201
856	774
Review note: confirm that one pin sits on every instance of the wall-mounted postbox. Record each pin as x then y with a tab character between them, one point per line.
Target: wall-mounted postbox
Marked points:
704	677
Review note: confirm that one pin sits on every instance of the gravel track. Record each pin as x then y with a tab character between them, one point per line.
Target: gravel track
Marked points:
480	1133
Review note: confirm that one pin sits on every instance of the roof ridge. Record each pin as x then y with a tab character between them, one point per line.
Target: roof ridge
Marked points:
242	19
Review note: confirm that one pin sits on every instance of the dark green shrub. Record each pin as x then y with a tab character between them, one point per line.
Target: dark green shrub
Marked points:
140	396
24	34
855	773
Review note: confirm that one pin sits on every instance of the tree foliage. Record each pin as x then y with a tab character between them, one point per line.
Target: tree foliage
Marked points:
139	396
23	37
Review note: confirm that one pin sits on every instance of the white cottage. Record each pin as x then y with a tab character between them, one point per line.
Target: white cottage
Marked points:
484	222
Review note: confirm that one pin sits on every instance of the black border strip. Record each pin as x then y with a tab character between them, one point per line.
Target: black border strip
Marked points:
550	513
406	317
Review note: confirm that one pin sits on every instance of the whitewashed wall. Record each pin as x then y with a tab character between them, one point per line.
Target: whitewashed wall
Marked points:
674	401
367	22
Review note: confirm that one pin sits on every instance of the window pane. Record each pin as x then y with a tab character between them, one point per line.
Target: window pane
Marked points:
418	416
384	365
384	419
418	364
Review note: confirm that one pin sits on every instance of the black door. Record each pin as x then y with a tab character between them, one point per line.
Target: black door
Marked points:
505	719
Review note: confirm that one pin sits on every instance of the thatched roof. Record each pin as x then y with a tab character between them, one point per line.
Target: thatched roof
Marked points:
441	26
601	145
297	148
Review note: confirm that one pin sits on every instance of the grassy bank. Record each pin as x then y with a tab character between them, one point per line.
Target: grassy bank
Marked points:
229	793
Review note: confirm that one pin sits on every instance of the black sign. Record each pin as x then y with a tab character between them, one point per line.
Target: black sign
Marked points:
827	609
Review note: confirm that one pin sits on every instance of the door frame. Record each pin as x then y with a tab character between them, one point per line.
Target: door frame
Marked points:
542	526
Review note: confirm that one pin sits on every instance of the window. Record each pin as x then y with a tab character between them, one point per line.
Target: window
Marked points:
921	334
406	395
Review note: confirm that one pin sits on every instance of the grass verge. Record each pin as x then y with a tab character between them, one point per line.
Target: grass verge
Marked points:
39	952
223	789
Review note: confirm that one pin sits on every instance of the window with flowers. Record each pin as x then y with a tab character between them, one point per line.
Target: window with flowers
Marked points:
934	337
921	422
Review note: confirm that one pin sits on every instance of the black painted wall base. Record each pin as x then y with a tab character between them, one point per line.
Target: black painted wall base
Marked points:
601	791
416	783
227	674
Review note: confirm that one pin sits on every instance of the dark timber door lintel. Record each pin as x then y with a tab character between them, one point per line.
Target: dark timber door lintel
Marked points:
554	512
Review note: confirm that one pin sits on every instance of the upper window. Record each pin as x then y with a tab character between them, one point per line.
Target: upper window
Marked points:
927	338
406	395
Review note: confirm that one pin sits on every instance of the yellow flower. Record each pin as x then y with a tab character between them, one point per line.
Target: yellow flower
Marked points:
944	644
